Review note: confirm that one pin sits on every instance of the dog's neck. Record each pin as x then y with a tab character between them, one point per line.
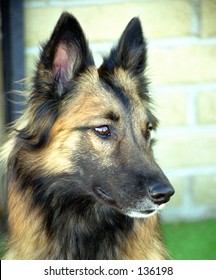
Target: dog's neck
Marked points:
97	233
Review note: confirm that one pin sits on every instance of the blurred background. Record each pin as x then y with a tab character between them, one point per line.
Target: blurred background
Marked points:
181	37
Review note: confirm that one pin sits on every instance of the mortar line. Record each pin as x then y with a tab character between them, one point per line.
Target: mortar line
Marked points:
196	17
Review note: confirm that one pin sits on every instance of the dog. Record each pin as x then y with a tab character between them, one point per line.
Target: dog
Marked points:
82	180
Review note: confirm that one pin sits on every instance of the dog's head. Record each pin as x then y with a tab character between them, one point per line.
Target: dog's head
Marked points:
91	128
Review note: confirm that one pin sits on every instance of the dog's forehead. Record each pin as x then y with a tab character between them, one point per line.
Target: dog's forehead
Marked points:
117	94
119	84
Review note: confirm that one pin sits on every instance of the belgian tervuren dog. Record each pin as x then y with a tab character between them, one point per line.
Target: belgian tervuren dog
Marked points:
82	179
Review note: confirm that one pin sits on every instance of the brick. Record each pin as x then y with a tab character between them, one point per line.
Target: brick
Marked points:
179	184
208	16
206	107
30	65
204	189
170	108
165	18
39	23
182	64
106	22
185	149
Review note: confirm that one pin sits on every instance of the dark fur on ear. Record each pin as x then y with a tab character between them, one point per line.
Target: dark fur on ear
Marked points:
64	56
130	52
62	59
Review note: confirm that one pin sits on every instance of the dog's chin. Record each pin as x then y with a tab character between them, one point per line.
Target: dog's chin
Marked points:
134	213
140	214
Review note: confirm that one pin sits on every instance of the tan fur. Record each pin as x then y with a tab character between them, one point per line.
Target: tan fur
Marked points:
144	242
25	228
41	176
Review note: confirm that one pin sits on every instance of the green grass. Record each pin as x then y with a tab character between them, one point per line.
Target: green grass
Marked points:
191	241
185	241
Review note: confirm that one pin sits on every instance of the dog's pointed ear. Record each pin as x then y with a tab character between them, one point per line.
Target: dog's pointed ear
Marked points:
63	57
130	52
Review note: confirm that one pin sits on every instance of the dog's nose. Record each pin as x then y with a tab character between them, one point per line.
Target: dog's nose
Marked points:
161	193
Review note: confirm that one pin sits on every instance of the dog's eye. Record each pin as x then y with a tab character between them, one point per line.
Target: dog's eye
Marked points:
148	131
103	131
150	127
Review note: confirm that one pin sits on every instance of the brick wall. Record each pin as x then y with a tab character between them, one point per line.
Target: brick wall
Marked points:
182	53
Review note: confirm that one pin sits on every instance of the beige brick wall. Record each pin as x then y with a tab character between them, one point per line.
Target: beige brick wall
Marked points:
206	107
202	182
105	22
182	53
185	62
208	15
192	147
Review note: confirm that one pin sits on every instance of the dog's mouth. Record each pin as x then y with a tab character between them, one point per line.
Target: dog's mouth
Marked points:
104	196
147	212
